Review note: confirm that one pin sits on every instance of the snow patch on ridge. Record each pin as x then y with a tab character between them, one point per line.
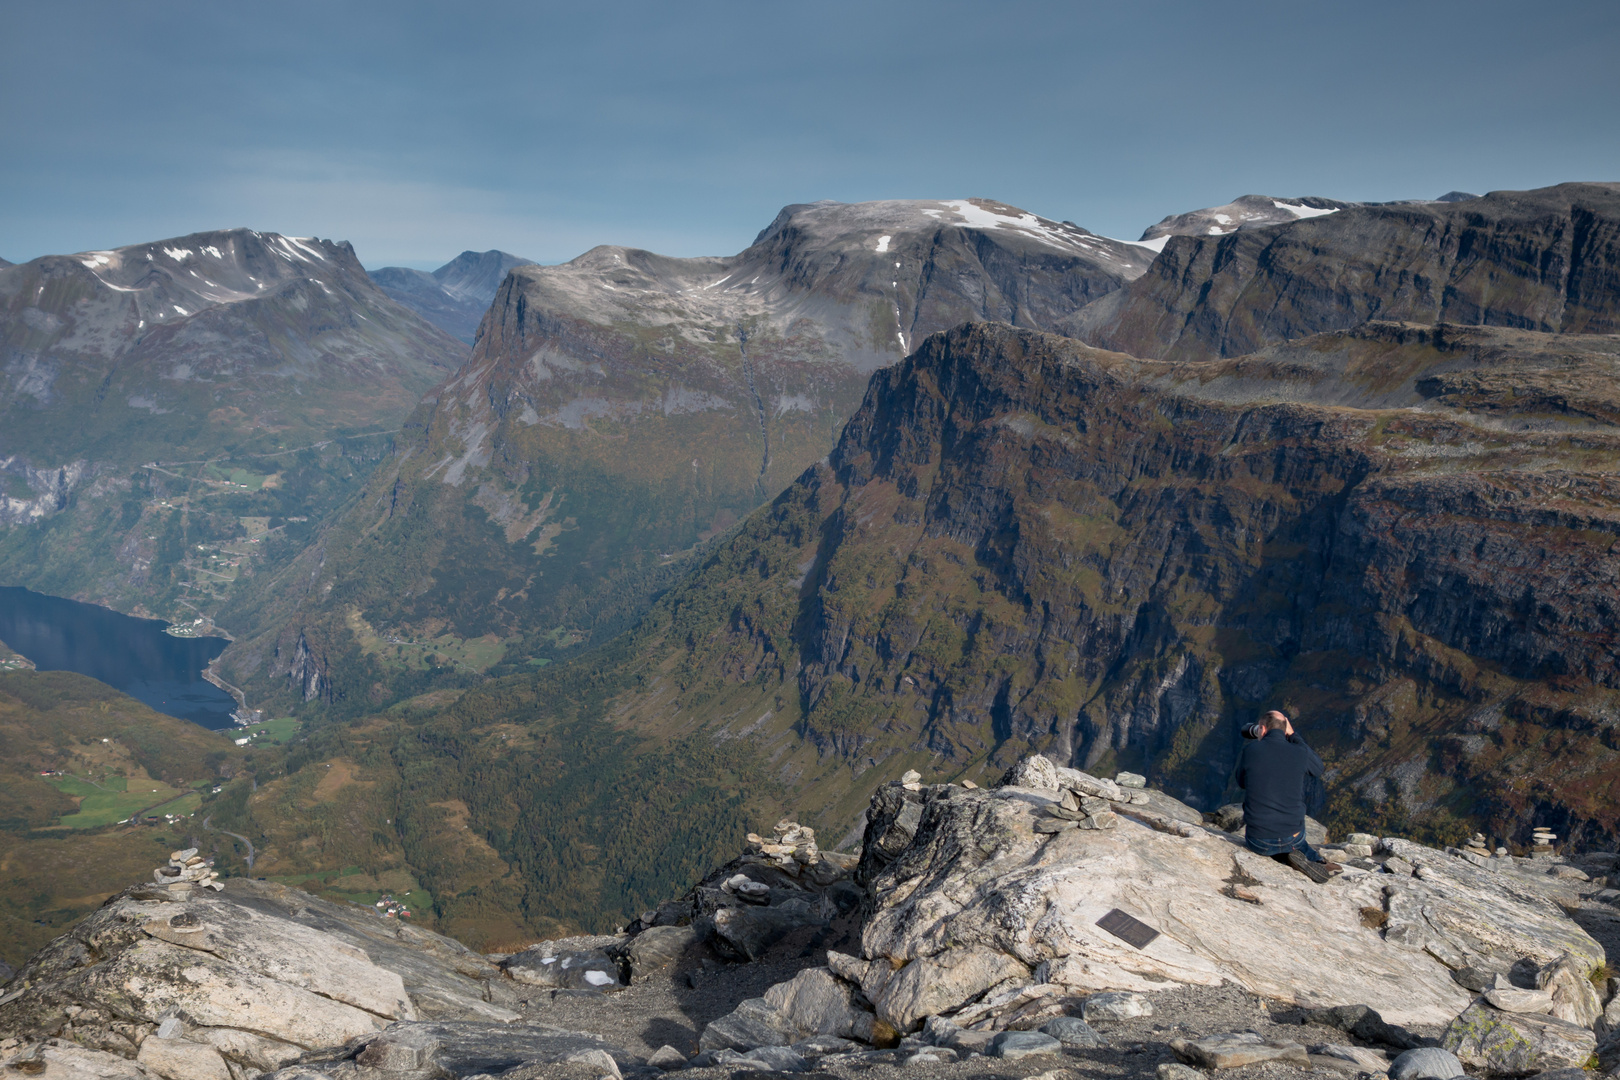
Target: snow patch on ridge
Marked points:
1302	211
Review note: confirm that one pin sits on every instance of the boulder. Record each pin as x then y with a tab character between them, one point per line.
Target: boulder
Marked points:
1116	1007
1175	1070
975	878
1073	1031
749	930
1425	1063
658	948
1517	1044
461	1049
1512	999
57	1059
939	983
569	969
177	1059
667	1058
1238	1048
814	1002
1568	982
753	1023
1033	771
1021	1044
1371	1060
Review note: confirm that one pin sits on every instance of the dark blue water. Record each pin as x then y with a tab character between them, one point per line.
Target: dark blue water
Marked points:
133	655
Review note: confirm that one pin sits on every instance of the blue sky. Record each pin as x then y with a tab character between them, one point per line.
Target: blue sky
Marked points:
418	130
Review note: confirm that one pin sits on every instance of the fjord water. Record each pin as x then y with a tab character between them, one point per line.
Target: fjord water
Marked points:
133	655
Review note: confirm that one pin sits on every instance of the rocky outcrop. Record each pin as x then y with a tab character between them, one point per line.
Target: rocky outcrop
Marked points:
981	929
977	876
1540	260
200	984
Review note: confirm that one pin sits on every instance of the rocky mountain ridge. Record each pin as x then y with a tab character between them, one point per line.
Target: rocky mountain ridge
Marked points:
977	930
455	296
1542	260
623	408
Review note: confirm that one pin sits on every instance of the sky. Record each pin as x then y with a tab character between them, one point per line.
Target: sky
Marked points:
418	130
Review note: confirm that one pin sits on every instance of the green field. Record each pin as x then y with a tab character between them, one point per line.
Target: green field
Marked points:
104	802
280	730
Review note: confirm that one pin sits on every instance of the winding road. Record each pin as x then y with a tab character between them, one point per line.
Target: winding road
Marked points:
208	823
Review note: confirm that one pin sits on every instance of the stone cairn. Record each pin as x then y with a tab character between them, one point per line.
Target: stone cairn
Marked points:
1541	846
792	849
187	870
1478	845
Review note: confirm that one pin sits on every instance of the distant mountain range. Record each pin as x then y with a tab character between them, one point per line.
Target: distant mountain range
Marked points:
623	409
455	296
808	530
156	396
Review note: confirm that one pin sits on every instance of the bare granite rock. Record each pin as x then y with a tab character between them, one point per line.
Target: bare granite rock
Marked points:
1517	1044
976	880
250	979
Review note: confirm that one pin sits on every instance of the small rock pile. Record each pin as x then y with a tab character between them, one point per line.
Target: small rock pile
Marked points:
1359	845
187	870
1542	843
1478	845
793	848
1074	811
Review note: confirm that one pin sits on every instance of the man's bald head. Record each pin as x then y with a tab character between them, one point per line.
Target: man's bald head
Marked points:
1274	721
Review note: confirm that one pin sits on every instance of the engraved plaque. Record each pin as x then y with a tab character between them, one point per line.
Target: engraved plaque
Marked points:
1131	931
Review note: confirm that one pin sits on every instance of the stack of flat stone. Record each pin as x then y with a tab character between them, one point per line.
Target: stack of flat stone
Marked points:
1359	845
1478	845
1542	843
1076	811
792	848
911	780
188	870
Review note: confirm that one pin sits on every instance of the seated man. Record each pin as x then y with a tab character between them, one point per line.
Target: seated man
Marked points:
1271	771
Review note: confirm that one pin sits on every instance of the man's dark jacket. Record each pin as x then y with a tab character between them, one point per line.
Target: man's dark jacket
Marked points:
1272	771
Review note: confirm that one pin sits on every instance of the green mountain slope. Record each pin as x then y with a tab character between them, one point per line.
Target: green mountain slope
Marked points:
63	847
1405	535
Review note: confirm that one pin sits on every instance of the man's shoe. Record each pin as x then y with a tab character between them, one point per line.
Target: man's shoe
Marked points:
1317	872
1331	867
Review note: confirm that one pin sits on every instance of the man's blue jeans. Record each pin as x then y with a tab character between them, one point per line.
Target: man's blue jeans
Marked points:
1265	845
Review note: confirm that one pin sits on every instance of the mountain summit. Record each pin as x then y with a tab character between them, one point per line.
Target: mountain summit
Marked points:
455	296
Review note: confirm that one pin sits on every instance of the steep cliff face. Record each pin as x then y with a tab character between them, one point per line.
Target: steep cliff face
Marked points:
1024	542
624	408
1546	260
158	382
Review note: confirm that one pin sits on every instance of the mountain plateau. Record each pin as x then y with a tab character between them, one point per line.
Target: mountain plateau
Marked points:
1546	260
